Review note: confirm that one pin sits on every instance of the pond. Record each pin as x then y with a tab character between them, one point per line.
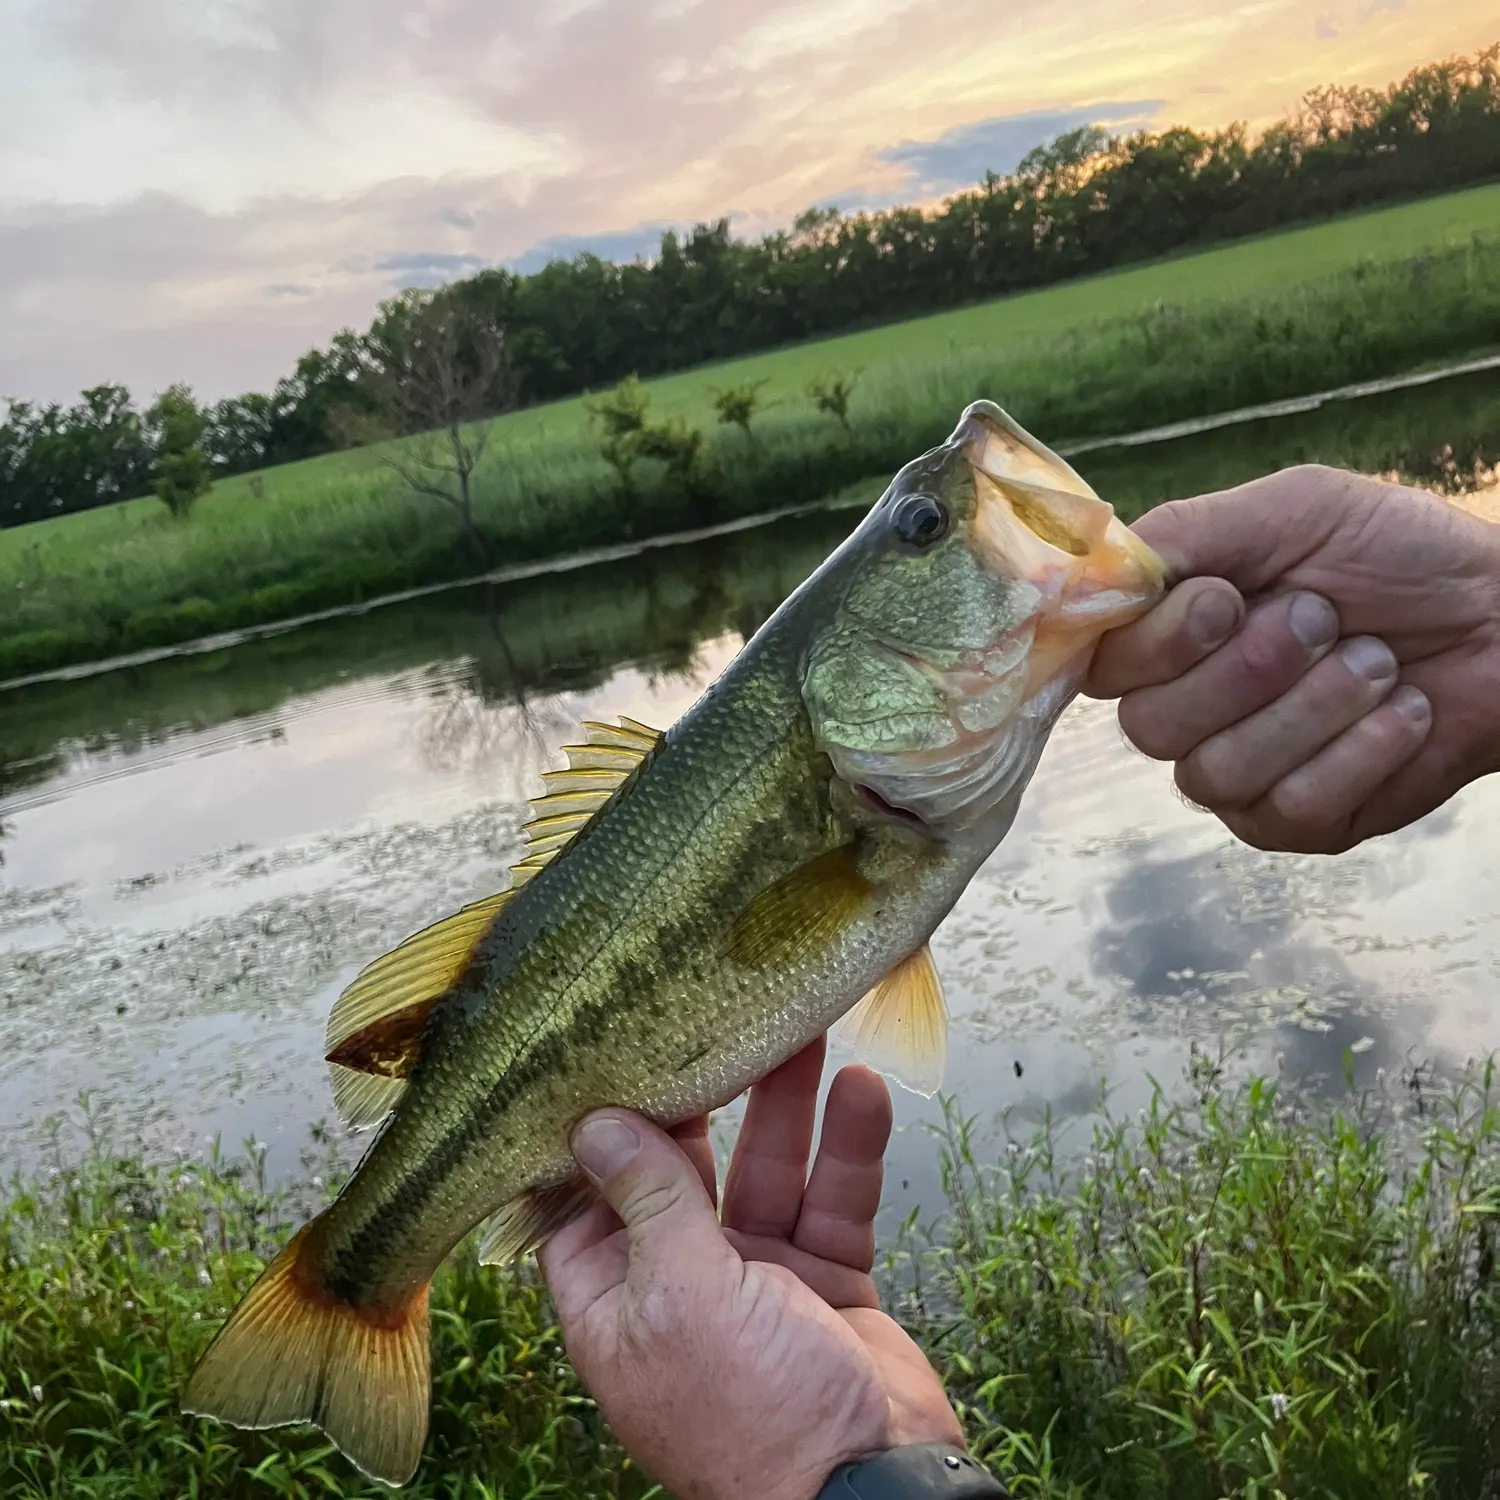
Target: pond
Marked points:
200	852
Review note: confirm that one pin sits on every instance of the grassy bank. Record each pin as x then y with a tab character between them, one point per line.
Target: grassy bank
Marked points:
1198	336
1227	1298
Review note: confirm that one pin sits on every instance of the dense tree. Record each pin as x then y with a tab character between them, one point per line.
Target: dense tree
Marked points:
1085	202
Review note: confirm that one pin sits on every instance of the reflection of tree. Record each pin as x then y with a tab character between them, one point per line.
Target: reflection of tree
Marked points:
504	727
467	730
1442	436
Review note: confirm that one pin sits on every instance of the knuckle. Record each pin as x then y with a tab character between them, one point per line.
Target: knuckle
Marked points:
1271	657
1147	726
649	1200
1213	775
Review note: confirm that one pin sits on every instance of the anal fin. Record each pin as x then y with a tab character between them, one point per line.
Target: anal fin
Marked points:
901	1027
533	1218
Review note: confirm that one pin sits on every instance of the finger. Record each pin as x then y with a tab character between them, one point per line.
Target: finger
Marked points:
837	1222
643	1175
763	1191
1239	765
1194	619
583	1261
1277	644
1318	808
839	1286
692	1136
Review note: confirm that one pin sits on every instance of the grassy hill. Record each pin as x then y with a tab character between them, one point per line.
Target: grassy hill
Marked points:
1280	315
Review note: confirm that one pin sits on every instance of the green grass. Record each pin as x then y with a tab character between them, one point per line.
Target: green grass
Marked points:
1232	1297
1229	1299
1277	316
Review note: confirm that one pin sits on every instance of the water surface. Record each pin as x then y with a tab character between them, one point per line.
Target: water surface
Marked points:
200	852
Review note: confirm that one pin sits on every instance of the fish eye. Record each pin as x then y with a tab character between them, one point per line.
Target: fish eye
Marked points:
920	520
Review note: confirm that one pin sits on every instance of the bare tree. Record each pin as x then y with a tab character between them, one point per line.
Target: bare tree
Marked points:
442	376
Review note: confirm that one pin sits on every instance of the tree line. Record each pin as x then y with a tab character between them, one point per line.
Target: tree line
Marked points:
1085	202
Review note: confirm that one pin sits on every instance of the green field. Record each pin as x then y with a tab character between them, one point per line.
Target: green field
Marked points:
1369	295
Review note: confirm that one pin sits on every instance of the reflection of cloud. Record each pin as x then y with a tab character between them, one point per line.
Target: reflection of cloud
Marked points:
1187	935
961	157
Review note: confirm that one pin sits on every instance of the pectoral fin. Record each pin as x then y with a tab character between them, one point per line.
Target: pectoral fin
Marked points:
805	912
901	1027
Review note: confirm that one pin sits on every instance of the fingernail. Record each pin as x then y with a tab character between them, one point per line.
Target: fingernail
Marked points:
1212	617
1369	658
1314	621
1411	703
604	1146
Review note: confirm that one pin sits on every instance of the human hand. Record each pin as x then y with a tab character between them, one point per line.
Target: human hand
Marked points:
1359	691
749	1357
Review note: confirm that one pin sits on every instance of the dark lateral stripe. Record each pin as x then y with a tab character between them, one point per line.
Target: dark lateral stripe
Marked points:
675	949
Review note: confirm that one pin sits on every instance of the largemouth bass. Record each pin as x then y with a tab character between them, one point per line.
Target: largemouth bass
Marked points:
694	908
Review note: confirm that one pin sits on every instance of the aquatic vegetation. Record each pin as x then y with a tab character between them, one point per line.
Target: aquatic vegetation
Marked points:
1233	1296
1237	1295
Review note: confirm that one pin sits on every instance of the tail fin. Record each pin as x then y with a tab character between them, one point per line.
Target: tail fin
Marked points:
292	1351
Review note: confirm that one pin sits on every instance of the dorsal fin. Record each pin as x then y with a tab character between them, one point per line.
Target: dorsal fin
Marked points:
375	1028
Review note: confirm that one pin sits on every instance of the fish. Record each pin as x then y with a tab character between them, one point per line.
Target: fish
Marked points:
693	908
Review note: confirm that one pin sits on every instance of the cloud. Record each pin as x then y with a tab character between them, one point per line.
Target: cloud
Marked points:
1326	27
644	240
960	157
170	172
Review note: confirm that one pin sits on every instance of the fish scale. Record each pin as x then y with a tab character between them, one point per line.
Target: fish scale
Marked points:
692	909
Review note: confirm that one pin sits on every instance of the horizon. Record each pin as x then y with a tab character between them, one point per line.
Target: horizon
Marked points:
263	193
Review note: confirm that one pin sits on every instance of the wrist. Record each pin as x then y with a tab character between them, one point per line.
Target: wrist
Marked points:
914	1471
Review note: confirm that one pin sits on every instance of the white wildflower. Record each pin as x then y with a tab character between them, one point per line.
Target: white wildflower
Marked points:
317	1182
204	1277
36	1393
129	1305
1145	1178
197	1317
1279	1404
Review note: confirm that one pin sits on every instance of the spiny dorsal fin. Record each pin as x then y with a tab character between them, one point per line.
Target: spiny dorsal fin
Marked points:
807	910
596	771
375	1029
901	1027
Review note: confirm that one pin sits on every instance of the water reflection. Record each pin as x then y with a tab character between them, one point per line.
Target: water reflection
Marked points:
201	852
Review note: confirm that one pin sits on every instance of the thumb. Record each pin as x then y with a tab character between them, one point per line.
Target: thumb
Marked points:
644	1175
1252	534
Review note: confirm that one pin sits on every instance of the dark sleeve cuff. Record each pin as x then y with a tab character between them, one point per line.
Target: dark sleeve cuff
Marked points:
922	1471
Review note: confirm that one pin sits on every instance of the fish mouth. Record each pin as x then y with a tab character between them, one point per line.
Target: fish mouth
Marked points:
1038	520
1036	523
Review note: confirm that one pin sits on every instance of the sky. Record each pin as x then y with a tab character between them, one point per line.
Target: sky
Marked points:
200	190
